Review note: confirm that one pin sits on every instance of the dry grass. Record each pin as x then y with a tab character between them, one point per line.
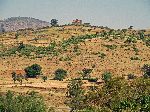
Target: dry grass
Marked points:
116	61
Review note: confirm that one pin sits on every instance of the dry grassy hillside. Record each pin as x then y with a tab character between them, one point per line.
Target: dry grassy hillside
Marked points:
72	48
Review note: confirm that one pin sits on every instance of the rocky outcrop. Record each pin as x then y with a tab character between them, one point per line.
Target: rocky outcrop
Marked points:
16	23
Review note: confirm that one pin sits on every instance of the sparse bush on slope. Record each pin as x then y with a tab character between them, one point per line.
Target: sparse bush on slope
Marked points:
146	70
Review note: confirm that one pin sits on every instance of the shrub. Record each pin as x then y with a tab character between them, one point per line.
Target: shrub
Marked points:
147	42
60	74
112	47
33	70
131	76
21	46
86	73
146	70
16	35
106	76
131	40
92	79
136	50
17	77
14	76
44	78
102	55
135	58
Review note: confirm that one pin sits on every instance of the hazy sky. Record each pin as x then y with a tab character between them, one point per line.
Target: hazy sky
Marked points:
111	13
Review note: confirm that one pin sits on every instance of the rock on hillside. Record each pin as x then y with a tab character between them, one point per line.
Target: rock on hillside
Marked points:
16	23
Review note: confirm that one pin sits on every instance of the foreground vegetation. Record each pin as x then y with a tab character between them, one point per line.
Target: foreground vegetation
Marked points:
30	102
116	95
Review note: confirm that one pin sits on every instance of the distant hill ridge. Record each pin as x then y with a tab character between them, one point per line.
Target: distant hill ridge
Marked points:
16	23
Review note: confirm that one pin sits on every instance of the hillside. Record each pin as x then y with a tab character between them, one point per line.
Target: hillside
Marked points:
72	48
16	23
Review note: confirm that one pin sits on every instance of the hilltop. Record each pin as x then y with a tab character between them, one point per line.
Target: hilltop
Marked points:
16	23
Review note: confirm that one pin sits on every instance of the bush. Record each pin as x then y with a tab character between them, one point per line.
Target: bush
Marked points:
14	76
135	58
101	54
21	103
92	79
18	77
131	40
60	74
44	78
131	76
146	70
106	76
33	70
86	73
21	46
112	47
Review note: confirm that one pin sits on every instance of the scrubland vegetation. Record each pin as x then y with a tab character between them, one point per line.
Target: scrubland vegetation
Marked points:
87	69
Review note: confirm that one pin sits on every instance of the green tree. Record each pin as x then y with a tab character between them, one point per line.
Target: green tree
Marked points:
60	74
33	71
54	22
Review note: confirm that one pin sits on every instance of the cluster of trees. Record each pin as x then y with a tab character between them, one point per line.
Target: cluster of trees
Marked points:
115	95
35	71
